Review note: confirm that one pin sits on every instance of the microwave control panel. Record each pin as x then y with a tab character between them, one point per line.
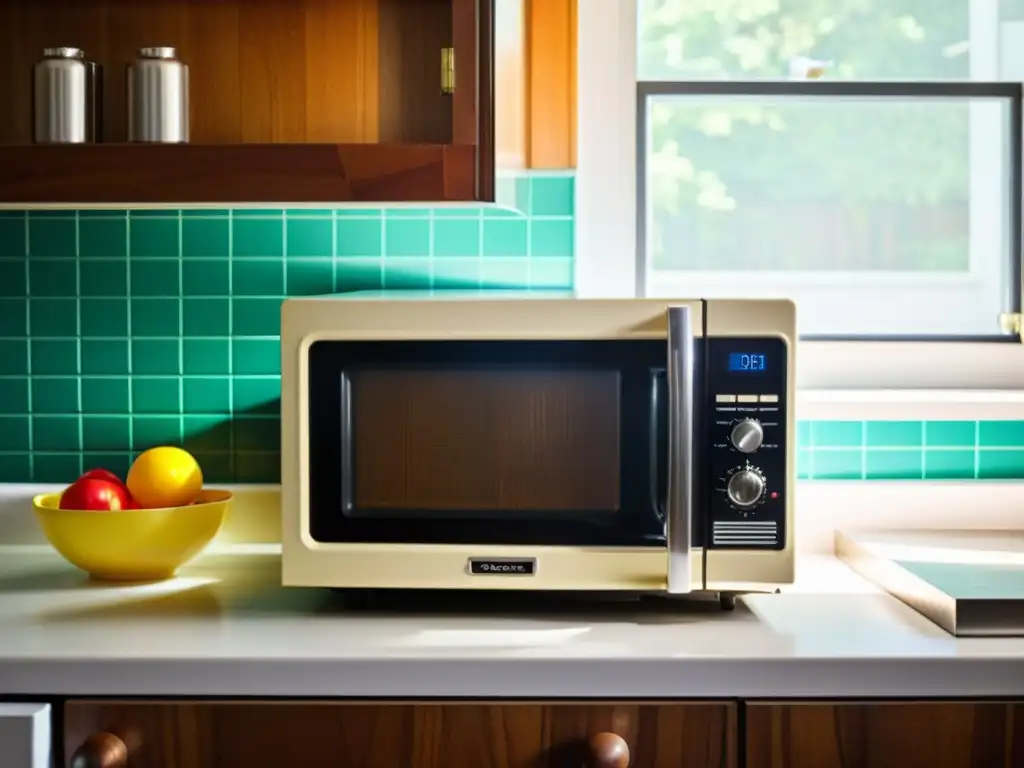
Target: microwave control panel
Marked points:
746	385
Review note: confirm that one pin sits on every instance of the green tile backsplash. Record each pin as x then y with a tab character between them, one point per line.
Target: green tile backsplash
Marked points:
123	329
907	450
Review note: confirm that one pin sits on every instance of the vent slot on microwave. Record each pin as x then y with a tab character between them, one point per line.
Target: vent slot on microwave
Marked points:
484	440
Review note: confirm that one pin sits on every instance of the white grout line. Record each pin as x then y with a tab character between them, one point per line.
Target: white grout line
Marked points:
863	449
924	444
78	344
181	328
383	250
977	454
431	245
334	251
128	320
28	347
231	344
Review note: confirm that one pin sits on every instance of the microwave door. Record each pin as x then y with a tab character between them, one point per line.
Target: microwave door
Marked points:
680	497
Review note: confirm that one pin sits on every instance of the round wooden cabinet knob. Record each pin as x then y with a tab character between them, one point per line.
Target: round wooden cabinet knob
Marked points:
607	750
101	750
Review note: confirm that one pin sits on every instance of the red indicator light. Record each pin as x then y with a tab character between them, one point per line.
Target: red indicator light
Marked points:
774	494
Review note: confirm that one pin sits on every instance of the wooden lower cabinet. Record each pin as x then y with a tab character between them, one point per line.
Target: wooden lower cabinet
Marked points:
884	735
331	734
170	734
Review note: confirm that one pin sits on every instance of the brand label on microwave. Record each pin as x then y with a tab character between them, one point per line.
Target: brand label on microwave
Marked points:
522	566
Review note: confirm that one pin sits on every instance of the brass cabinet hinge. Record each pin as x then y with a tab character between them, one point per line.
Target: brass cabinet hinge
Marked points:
1012	322
447	71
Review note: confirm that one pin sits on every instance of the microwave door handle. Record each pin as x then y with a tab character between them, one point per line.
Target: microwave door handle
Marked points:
679	504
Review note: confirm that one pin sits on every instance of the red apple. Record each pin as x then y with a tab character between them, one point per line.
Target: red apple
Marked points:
92	494
102	474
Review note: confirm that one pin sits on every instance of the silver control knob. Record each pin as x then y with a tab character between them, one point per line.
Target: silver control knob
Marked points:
745	488
747	435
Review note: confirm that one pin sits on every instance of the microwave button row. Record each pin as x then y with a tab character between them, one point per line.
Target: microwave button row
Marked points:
746	398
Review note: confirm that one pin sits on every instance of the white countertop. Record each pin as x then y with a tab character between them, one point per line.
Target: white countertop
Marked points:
226	628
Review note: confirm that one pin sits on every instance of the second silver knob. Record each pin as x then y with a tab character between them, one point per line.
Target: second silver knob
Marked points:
747	435
745	488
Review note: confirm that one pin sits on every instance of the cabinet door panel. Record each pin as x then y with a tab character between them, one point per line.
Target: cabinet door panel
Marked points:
25	735
884	735
385	735
472	103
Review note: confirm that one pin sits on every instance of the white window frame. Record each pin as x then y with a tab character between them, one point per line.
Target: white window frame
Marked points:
606	230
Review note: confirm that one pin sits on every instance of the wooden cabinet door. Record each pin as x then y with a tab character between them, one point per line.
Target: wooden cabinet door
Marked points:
382	735
472	100
885	735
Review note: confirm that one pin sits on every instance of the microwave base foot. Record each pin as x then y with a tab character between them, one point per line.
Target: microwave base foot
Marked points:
727	600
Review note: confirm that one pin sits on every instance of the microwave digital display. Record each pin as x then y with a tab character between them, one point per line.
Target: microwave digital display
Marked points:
747	362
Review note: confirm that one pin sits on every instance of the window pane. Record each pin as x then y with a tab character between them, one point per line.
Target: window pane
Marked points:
861	39
880	216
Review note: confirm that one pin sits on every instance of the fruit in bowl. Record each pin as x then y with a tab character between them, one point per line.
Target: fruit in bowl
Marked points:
141	529
96	495
160	477
165	477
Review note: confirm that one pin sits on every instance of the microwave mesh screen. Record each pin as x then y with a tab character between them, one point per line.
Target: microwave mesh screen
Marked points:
486	440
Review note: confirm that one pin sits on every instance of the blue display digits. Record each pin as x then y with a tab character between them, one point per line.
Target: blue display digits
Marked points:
747	362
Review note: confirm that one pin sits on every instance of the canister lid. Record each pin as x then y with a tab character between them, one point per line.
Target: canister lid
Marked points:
63	52
158	52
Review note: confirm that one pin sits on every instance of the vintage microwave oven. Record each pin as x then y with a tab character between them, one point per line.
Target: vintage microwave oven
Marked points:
478	442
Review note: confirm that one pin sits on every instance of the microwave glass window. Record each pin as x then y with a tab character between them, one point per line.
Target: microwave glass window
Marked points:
486	440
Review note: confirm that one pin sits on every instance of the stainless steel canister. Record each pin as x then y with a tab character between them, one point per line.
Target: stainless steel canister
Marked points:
158	97
67	96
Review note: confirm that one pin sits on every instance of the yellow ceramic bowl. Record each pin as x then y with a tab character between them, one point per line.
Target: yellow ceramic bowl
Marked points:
133	544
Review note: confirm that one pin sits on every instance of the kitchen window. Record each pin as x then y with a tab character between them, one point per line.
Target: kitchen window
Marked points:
860	156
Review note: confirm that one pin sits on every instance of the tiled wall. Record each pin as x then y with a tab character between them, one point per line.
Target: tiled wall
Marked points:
907	450
125	329
120	329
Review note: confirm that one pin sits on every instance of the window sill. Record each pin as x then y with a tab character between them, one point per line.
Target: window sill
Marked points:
910	404
911	365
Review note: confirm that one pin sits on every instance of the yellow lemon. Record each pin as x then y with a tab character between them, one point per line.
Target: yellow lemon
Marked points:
165	477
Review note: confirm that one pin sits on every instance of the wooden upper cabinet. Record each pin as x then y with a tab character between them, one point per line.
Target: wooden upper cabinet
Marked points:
290	101
885	735
163	734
